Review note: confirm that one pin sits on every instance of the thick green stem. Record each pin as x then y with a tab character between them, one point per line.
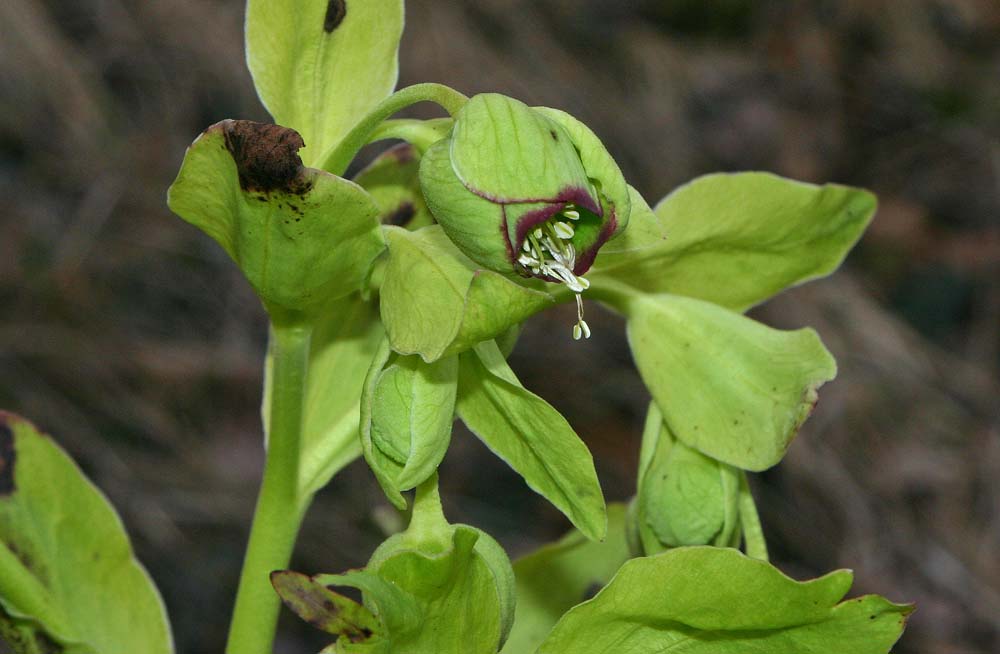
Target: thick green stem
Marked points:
337	159
279	509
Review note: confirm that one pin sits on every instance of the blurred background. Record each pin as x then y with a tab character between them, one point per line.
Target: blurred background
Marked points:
130	336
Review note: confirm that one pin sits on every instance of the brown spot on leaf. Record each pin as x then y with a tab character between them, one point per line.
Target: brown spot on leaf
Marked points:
266	157
8	457
335	12
400	215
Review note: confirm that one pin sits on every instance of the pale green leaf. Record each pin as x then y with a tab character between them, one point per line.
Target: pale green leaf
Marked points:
301	236
737	239
727	386
66	565
706	600
320	65
553	579
531	436
435	301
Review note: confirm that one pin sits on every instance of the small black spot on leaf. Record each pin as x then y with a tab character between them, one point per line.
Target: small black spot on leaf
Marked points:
335	12
8	456
552	133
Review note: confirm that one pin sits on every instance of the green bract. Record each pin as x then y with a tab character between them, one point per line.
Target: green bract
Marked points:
523	190
302	237
436	588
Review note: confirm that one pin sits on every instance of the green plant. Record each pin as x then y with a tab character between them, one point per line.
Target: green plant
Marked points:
394	300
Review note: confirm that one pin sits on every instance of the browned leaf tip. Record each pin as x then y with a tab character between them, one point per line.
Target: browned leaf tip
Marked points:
266	156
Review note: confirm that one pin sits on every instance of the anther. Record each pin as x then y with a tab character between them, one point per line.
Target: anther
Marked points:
572	214
563	230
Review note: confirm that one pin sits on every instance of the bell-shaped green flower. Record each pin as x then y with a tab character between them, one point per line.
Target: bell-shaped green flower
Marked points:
525	190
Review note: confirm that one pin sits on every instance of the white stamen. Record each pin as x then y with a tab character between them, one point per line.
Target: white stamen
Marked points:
548	250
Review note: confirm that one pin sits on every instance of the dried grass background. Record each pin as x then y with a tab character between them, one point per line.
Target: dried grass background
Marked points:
131	337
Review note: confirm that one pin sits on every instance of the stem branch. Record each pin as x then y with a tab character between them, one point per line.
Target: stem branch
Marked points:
337	159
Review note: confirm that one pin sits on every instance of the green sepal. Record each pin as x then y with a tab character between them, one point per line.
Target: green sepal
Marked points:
503	150
67	571
728	386
707	600
556	577
411	418
684	497
602	170
531	437
302	237
305	54
436	302
736	239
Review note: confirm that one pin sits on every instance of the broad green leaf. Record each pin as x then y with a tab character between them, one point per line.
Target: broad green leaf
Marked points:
66	565
344	340
320	65
729	387
706	600
531	436
558	576
391	180
323	608
301	236
737	239
412	413
435	301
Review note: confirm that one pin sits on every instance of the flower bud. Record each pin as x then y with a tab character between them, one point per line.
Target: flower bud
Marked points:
525	190
430	537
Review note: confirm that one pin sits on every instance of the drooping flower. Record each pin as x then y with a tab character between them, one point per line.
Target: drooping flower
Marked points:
526	190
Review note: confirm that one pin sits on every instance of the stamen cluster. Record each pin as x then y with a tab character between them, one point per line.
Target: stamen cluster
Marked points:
548	250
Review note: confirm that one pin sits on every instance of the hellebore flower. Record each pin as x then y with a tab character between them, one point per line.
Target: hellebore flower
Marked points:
525	190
